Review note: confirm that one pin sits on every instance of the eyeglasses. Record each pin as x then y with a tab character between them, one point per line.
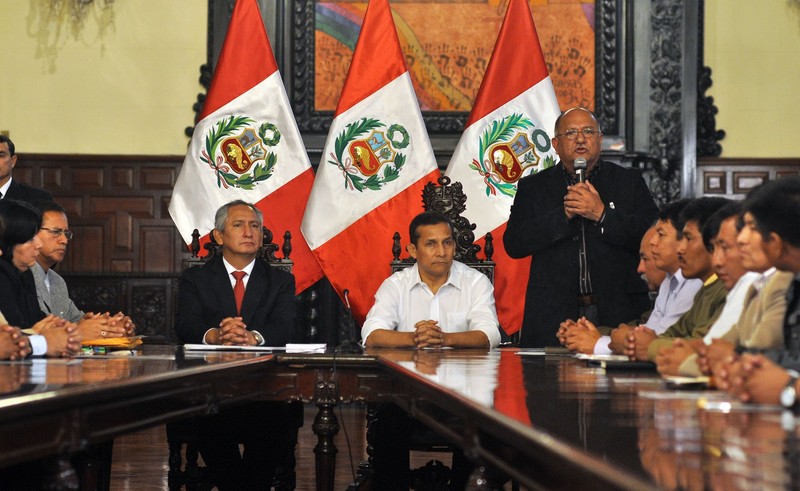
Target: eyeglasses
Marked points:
55	232
587	133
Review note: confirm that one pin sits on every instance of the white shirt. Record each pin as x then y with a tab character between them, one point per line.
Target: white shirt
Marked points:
675	296
734	305
464	303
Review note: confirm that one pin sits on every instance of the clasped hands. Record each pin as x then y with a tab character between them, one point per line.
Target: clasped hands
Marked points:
428	334
582	199
98	326
232	331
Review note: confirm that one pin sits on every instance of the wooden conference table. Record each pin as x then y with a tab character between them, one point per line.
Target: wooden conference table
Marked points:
551	422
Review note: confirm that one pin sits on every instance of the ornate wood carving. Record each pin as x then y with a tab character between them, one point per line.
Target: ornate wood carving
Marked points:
666	88
607	71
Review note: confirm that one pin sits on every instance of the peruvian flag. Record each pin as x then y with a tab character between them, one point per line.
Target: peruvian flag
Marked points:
507	137
375	163
247	146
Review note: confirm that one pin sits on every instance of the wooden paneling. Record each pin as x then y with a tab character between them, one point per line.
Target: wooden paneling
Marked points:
734	178
117	206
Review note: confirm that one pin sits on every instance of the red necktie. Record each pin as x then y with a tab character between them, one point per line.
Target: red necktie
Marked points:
238	289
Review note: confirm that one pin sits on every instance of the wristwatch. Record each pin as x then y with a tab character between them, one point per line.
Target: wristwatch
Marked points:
789	394
258	337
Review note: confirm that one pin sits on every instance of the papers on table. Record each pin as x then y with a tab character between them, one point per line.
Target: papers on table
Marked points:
289	348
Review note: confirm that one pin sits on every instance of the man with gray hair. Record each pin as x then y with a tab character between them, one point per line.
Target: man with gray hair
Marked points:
237	298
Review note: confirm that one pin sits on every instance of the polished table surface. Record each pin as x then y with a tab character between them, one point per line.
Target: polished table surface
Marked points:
549	421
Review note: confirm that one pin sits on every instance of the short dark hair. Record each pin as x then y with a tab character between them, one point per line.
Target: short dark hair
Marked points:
714	222
775	206
671	212
426	218
11	149
45	206
700	210
21	222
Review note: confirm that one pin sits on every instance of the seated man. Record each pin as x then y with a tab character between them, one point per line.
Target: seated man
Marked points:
51	289
772	377
720	232
437	302
694	257
676	293
237	298
583	336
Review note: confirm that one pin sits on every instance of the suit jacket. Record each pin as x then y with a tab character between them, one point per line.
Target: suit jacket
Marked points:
56	300
761	323
538	227
205	297
23	192
18	296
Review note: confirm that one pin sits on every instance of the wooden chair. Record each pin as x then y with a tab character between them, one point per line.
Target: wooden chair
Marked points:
184	433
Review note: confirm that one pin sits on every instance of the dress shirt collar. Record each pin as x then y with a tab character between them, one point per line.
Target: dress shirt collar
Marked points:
230	269
762	280
4	188
711	279
453	278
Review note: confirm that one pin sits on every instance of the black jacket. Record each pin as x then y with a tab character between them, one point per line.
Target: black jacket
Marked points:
538	227
205	297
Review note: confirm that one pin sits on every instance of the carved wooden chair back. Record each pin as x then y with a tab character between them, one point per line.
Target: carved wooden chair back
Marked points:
447	197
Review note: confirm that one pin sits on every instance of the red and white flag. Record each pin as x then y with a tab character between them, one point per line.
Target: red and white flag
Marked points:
507	136
247	146
376	161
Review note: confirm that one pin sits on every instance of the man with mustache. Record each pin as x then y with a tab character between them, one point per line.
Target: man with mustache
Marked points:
583	235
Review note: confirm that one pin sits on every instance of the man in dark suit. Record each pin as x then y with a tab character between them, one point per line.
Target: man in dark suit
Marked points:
9	188
583	236
239	299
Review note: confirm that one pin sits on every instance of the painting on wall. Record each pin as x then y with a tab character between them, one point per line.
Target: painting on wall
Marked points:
447	45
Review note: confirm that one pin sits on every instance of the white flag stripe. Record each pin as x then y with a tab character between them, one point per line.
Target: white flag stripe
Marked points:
333	207
198	195
491	212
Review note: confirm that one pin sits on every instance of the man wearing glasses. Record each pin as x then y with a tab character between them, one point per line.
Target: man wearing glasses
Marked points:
51	289
583	230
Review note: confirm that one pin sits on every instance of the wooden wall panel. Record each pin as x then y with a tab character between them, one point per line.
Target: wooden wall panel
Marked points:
117	206
733	178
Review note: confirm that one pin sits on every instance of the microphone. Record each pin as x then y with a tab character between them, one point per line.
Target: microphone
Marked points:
580	168
350	344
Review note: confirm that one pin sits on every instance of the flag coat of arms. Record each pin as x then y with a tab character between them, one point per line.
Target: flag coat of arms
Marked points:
507	137
376	160
247	146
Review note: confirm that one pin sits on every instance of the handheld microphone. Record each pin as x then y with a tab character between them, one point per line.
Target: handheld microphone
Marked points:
580	168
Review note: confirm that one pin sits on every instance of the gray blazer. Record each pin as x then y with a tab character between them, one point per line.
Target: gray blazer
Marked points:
55	301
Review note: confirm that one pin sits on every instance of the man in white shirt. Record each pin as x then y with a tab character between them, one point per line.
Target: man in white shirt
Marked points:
438	302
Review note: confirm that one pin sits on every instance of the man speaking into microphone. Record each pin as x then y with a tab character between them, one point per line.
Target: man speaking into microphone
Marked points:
581	221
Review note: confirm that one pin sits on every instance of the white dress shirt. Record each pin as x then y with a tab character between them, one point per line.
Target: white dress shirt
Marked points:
675	297
464	303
